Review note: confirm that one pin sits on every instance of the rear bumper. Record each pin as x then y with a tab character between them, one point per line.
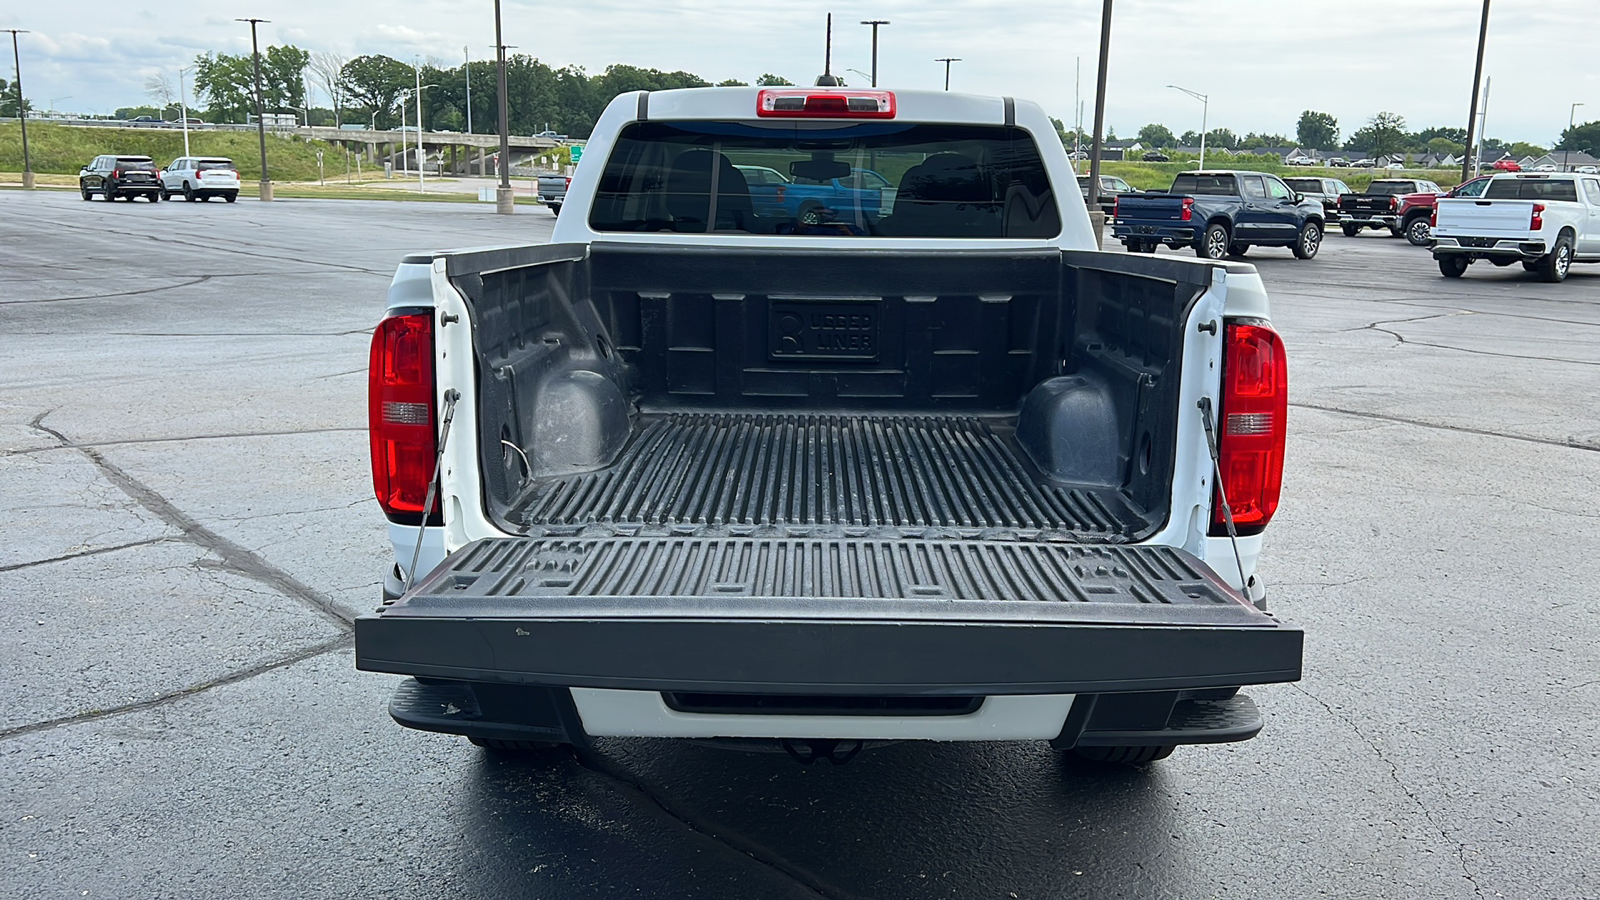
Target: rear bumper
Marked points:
1172	236
1368	220
1487	248
904	618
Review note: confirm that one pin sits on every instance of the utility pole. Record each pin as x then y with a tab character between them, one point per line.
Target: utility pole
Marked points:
1205	112
875	23
183	107
467	53
1483	125
1477	79
22	112
1099	125
504	204
261	124
1566	155
947	60
422	183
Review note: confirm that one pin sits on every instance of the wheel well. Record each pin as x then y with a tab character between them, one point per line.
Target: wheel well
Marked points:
1416	214
1221	220
1567	232
1317	220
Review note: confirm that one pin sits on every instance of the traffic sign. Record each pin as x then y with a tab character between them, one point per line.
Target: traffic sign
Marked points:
577	153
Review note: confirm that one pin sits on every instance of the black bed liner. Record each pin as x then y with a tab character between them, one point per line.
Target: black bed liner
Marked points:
753	472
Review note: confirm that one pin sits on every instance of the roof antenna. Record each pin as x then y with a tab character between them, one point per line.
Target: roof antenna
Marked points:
827	78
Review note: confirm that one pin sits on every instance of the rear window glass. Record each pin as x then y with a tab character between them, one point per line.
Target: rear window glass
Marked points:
207	164
1532	189
1305	185
1387	188
1216	185
136	164
885	179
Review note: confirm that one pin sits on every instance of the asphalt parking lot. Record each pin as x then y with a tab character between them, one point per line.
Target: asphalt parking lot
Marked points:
189	527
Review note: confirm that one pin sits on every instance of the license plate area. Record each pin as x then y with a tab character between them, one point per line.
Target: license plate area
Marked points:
823	330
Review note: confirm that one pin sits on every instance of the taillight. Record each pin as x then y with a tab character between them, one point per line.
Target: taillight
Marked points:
1116	207
116	173
1254	418
400	415
1433	218
805	103
1394	202
1537	222
1188	210
569	181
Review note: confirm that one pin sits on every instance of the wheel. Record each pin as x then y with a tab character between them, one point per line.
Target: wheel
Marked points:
1397	231
84	190
1128	756
109	191
496	745
165	194
231	196
1350	230
204	198
1554	265
811	215
188	192
1418	232
1214	242
555	209
153	196
1308	242
1530	265
1238	249
1453	266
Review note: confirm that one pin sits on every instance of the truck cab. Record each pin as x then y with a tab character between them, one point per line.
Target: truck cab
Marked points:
931	469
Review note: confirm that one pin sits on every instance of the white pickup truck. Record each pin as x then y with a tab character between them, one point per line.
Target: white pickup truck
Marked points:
699	468
1546	222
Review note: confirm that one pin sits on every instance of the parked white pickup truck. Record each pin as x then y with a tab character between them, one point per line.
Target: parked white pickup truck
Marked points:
701	468
1546	222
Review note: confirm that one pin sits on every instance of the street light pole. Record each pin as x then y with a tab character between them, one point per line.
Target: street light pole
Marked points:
467	54
504	204
22	112
1566	155
1477	79
1205	111
947	60
183	107
261	124
875	23
422	182
1099	120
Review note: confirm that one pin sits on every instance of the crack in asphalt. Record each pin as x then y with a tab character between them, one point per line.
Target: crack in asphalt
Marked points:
315	650
643	793
234	557
1394	775
223	436
81	554
1570	444
1402	339
165	287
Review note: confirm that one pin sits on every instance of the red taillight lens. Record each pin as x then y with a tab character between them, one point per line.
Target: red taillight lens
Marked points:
400	414
116	173
1537	222
1255	410
1116	207
1394	202
1188	210
806	103
1433	218
569	181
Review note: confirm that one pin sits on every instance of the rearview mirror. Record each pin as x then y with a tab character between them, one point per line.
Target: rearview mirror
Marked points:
819	169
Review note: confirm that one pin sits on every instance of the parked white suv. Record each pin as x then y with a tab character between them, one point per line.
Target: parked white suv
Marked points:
201	178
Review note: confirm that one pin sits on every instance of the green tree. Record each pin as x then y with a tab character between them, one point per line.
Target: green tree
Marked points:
1585	137
731	82
1454	135
227	85
1521	149
1190	138
1254	141
1317	130
1443	145
1384	134
770	80
1154	135
8	100
283	81
1222	139
376	82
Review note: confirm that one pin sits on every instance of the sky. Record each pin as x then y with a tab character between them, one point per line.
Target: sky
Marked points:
1261	61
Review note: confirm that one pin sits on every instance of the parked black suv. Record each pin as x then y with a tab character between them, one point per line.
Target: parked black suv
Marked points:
120	176
1156	156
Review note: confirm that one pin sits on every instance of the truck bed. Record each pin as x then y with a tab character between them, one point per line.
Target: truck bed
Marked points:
881	474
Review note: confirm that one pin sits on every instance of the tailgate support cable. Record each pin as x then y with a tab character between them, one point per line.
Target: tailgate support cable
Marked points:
450	398
1222	494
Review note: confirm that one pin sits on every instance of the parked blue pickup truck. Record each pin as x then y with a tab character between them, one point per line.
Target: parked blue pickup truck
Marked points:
810	202
1221	214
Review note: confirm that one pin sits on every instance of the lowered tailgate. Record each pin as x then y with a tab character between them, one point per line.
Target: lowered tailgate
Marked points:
834	615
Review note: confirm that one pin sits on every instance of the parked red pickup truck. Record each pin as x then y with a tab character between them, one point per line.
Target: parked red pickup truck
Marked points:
1417	209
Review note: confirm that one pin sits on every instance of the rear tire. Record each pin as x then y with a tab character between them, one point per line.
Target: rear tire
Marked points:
165	194
1350	230
1308	241
1453	266
110	193
1397	231
1553	267
1530	265
1126	756
1214	242
231	196
1418	232
1238	249
188	192
83	190
153	197
810	215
